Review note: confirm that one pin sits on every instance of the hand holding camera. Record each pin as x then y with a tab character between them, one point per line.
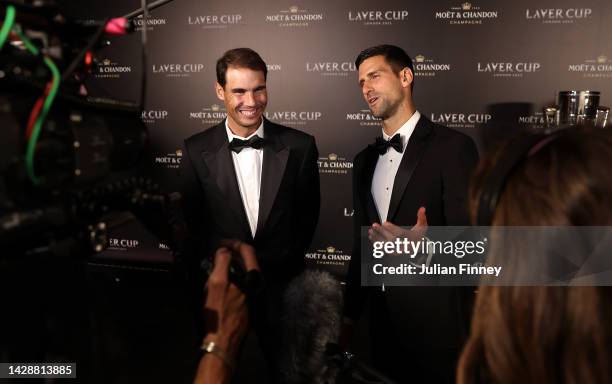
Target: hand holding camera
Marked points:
226	317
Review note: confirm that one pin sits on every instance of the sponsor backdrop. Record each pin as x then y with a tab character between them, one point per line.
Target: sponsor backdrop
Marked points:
482	67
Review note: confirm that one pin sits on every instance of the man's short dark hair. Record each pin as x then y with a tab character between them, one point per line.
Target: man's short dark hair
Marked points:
396	57
240	58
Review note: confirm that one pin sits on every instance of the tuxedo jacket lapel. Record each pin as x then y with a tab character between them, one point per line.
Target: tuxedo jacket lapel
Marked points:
275	157
412	155
368	174
220	164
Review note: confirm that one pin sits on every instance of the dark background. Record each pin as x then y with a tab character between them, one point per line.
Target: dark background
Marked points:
130	324
448	86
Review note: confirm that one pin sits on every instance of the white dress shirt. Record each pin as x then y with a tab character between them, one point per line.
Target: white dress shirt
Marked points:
248	165
387	166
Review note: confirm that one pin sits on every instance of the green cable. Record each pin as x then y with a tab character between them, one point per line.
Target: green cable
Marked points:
31	147
28	44
40	120
9	19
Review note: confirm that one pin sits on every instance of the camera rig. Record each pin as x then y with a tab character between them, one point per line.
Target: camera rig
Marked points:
68	161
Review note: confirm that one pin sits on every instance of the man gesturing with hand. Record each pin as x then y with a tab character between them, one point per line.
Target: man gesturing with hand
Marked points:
416	174
388	231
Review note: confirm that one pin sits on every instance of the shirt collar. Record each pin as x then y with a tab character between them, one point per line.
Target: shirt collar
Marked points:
259	132
405	130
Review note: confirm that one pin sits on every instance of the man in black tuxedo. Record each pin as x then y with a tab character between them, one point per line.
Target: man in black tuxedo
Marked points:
416	174
252	180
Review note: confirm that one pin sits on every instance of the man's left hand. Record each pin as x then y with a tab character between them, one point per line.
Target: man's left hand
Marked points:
389	231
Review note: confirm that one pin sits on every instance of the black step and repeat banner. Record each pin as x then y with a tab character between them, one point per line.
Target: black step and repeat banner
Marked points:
483	67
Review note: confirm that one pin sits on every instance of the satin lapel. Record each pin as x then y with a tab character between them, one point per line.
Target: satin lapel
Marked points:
366	185
275	156
412	155
218	160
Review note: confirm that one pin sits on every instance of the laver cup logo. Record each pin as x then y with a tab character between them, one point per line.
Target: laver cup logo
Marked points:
177	70
508	69
331	68
215	21
460	120
378	17
558	15
151	116
293	118
466	14
122	244
295	17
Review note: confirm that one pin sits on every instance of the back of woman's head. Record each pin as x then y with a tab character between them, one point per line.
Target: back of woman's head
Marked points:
537	334
566	180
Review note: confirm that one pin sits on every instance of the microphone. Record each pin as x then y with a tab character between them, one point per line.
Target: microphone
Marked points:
311	319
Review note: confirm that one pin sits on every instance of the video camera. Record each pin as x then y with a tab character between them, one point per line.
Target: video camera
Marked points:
67	160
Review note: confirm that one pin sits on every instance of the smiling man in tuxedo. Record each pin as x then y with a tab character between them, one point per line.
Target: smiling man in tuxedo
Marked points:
252	180
415	175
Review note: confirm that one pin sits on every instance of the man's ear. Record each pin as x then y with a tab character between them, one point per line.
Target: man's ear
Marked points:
220	91
406	77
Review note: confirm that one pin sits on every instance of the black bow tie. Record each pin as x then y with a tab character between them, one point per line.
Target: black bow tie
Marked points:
238	145
382	146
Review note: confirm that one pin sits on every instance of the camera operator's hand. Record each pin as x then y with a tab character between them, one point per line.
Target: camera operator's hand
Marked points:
225	314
